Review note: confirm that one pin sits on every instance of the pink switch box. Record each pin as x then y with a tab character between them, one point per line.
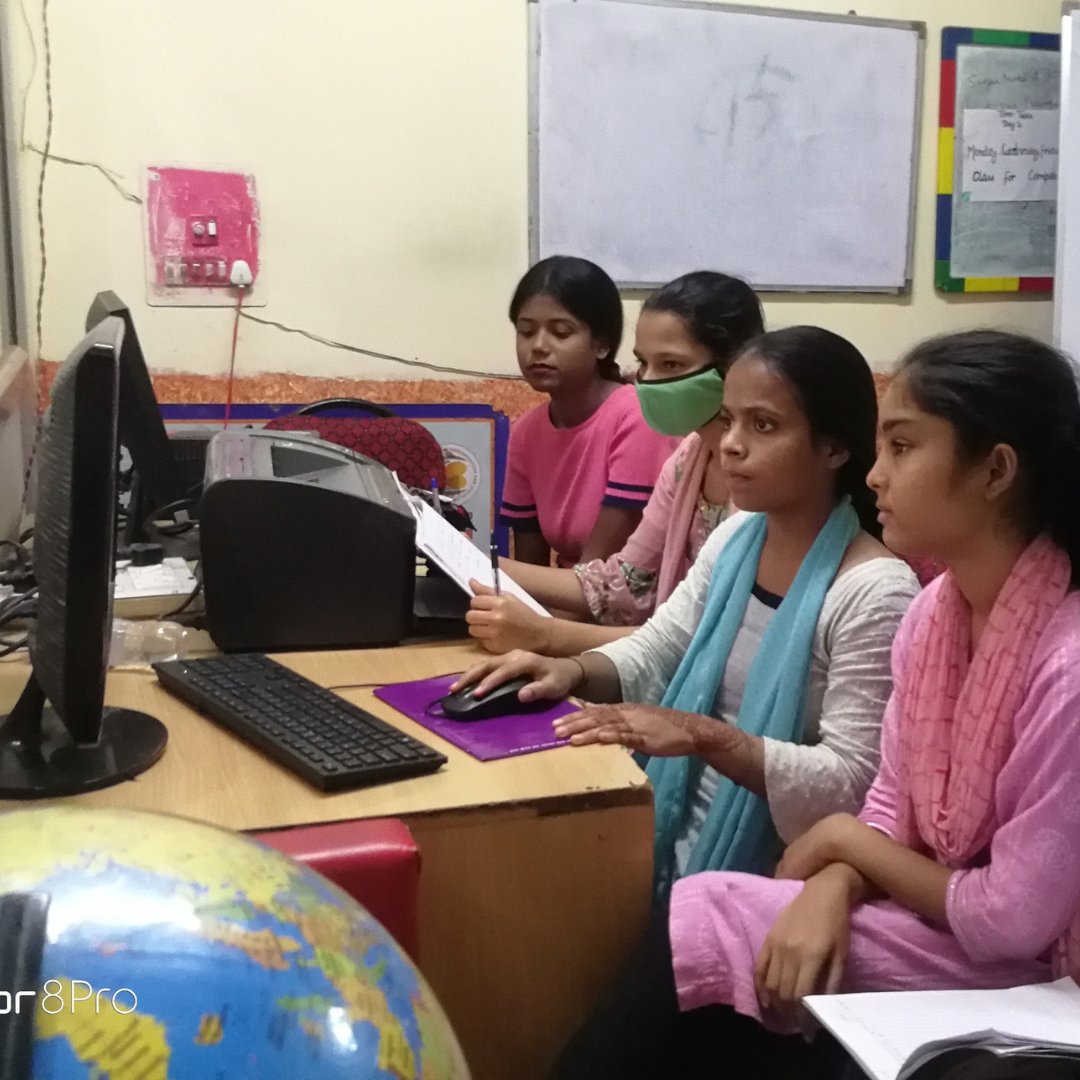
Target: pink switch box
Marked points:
199	223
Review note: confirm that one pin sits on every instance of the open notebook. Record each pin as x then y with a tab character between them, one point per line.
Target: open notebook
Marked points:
457	556
904	1034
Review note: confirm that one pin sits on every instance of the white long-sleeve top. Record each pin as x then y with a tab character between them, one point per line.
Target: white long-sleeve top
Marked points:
848	686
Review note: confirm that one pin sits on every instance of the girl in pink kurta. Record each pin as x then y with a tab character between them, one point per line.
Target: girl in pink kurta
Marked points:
1002	913
961	871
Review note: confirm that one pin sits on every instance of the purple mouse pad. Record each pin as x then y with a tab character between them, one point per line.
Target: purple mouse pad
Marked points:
486	740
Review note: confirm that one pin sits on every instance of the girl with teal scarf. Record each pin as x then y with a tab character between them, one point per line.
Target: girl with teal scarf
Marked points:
755	694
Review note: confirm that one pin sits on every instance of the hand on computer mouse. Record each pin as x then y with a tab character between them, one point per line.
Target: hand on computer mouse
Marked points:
550	678
502	701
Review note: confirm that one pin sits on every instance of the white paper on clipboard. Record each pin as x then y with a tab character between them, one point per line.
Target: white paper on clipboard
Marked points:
457	556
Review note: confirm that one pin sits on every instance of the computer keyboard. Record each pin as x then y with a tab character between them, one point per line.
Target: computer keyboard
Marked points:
318	735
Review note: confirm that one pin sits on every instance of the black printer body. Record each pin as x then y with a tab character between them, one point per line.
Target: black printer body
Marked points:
305	545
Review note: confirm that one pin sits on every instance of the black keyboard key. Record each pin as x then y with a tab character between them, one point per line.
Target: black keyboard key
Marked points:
308	729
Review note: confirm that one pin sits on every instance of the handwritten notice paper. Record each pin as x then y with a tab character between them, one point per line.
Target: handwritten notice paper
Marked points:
1010	155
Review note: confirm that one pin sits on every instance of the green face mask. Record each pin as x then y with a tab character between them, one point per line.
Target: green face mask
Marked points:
683	404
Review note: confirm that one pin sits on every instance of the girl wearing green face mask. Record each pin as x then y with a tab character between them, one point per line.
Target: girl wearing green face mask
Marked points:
688	333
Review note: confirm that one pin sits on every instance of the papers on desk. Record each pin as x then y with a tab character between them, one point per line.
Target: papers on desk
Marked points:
457	556
170	577
141	591
894	1035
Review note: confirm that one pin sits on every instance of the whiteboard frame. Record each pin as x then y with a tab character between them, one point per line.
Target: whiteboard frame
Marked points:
1068	161
736	9
13	310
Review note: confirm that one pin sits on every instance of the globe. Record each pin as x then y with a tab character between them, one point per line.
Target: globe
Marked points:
176	949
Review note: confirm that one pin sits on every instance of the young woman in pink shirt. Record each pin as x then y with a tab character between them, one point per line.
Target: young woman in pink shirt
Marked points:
580	468
687	335
961	869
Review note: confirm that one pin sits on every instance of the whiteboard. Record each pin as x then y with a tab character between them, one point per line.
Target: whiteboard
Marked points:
669	137
1067	274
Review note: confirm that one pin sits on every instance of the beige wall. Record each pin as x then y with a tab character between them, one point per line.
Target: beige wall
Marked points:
388	140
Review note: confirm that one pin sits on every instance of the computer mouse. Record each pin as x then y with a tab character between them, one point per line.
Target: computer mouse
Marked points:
501	701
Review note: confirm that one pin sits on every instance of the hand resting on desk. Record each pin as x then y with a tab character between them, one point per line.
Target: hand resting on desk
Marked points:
650	729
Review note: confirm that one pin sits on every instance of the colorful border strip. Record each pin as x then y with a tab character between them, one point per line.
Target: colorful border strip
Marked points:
951	38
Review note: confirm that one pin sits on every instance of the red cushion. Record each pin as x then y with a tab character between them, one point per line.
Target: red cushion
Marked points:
400	444
375	861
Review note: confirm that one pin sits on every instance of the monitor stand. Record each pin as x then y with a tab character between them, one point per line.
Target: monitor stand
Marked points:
39	759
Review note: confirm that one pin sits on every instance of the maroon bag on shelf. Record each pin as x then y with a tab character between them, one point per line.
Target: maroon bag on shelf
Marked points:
400	444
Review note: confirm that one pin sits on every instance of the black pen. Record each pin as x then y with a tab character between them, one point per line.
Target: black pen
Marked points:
495	568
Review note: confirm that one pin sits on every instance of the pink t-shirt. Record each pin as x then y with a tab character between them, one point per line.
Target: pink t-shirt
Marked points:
558	478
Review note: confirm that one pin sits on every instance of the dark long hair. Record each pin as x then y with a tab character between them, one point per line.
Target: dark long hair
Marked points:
586	292
722	313
994	387
835	388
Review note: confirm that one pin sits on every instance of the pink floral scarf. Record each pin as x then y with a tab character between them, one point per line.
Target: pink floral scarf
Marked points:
956	726
694	458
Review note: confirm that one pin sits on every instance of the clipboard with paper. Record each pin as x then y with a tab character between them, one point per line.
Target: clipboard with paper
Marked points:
457	556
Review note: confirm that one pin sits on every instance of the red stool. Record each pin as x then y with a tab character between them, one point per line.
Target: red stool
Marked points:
375	861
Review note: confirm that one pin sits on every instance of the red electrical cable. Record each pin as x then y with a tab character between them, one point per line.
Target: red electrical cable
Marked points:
232	356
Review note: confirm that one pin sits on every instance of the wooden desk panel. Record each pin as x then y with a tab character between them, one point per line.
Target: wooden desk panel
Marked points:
524	918
536	869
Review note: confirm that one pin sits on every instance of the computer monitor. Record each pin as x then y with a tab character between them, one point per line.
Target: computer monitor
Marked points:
142	430
76	744
164	471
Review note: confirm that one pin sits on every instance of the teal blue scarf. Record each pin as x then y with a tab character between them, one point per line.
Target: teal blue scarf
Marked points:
738	833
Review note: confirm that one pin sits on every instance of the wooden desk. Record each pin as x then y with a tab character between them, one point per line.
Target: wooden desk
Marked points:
536	869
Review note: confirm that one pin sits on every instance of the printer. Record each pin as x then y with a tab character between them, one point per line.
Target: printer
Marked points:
305	545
